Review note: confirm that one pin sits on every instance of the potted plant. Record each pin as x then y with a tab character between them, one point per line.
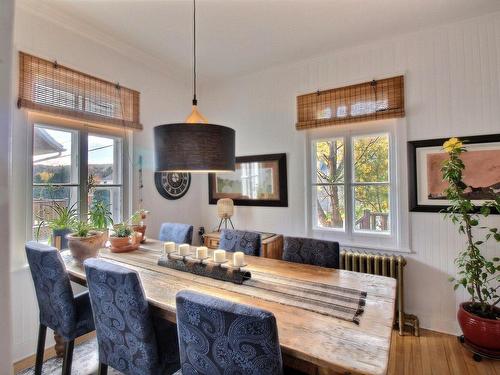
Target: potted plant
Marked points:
137	222
479	318
61	223
100	218
84	242
121	237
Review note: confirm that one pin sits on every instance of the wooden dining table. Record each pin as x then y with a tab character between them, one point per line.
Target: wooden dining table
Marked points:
312	342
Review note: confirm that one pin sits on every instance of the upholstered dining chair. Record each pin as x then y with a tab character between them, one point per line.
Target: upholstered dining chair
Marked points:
218	337
311	251
176	232
239	240
130	339
68	315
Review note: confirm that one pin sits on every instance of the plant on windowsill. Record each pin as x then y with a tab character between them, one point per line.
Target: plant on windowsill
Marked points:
100	218
121	239
61	223
480	317
84	242
137	223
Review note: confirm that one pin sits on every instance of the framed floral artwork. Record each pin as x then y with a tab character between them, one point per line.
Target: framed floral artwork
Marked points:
481	175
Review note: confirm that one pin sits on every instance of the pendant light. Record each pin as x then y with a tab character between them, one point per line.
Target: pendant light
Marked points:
194	145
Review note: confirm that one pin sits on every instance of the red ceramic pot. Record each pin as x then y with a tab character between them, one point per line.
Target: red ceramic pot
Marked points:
484	333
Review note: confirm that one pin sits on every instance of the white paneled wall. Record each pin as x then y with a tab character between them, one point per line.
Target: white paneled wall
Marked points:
452	89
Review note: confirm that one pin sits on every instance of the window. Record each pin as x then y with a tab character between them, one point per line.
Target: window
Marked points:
353	186
75	168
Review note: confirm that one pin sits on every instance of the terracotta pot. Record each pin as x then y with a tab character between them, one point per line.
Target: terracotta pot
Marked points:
85	247
118	242
484	333
141	229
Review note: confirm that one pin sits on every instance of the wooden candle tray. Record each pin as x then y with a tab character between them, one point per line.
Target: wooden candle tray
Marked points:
205	267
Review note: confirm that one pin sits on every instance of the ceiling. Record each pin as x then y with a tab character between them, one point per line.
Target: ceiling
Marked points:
238	36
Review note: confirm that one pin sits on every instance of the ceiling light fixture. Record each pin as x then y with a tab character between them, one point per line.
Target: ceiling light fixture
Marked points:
194	145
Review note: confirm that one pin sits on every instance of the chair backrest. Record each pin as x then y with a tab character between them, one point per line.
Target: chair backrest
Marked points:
310	251
221	337
176	232
239	240
52	288
125	331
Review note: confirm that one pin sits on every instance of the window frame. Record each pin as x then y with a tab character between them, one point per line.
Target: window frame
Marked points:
398	237
84	130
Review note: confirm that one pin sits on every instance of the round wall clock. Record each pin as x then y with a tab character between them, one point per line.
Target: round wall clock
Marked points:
172	185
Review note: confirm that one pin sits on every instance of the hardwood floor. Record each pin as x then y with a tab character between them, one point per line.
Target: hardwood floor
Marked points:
430	354
435	354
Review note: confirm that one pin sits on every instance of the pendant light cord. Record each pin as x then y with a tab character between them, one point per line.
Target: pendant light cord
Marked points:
195	101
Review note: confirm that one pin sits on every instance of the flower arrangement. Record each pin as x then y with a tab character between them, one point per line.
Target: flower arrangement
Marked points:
477	274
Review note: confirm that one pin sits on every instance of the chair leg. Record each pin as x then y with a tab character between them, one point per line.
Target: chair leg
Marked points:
40	349
68	357
103	369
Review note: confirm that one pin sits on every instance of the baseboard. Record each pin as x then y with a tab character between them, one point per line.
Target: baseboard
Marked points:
50	352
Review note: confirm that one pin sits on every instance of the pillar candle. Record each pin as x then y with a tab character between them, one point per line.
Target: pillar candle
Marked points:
201	252
219	256
184	249
238	259
168	247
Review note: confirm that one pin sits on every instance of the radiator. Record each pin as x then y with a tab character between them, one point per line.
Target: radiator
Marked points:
383	265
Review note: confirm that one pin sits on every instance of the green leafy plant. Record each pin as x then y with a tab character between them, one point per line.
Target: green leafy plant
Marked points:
100	217
478	275
64	217
122	230
82	229
138	215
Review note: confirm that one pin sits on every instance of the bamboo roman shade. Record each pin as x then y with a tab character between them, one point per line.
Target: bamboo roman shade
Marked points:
366	101
49	87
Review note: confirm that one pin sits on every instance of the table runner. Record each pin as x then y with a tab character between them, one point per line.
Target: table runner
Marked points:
335	301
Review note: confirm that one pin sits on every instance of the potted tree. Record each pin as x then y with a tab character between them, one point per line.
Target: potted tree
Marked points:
479	318
120	239
100	218
84	242
61	222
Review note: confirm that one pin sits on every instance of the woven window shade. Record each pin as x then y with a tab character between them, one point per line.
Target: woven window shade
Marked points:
49	87
366	101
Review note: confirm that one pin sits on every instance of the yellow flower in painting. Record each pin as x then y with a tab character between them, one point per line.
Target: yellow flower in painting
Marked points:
452	144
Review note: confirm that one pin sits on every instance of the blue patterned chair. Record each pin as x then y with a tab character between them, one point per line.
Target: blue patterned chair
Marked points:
176	232
239	240
130	340
311	251
218	337
68	315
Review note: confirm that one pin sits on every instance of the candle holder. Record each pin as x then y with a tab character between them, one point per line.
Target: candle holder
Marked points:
206	267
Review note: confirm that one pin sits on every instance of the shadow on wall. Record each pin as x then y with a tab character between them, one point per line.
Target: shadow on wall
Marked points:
430	296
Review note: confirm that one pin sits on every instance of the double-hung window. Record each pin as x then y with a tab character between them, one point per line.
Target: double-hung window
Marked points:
76	167
353	186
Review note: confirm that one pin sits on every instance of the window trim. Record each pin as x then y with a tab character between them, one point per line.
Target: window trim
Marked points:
36	118
398	238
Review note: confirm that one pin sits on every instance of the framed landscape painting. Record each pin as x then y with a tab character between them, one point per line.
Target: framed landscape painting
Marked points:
481	175
259	180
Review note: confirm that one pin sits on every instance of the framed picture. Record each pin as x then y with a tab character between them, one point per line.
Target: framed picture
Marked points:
259	180
481	175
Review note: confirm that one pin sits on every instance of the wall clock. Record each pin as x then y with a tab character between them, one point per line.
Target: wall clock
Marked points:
172	185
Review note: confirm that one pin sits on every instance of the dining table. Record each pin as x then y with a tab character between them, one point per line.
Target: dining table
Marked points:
314	342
